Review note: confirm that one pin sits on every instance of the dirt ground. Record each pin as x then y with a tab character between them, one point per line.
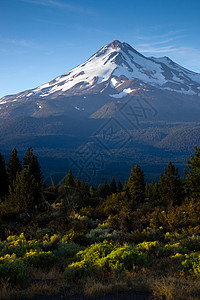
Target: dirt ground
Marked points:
129	295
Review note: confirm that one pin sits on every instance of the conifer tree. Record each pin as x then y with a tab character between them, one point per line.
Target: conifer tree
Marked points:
193	175
136	185
25	193
30	161
84	187
154	192
77	183
126	189
119	186
69	180
113	186
91	192
106	189
3	177
147	191
171	186
100	191
14	166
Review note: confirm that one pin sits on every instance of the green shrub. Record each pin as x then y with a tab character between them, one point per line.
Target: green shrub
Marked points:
77	237
172	249
14	270
90	223
149	247
178	257
78	270
95	251
50	243
123	258
191	264
39	258
103	258
192	243
100	234
18	245
67	250
147	235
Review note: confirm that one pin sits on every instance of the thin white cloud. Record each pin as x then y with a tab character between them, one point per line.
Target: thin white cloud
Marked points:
61	5
173	34
170	43
148	48
20	42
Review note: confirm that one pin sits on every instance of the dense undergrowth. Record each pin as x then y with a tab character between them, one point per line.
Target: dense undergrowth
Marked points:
97	241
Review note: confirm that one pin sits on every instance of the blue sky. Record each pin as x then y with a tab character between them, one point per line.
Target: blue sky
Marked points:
41	39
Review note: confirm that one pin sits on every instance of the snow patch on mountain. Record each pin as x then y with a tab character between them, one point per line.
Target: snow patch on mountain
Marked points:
96	67
181	70
115	83
124	93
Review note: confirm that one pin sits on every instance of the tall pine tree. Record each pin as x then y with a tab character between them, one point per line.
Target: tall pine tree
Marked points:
100	191
119	186
30	161
105	189
14	166
171	186
3	177
136	185
193	175
113	186
25	193
69	180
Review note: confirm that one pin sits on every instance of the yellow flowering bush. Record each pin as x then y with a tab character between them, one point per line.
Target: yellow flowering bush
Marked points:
191	264
95	251
172	249
178	257
104	258
78	270
39	258
123	258
18	245
14	270
150	247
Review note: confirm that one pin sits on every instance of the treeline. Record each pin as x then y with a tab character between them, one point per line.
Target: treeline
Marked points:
133	234
128	206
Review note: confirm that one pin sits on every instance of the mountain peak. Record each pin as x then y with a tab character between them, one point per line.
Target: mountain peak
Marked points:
115	44
114	69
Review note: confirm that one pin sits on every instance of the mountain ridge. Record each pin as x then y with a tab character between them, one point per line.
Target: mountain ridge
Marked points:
151	107
107	71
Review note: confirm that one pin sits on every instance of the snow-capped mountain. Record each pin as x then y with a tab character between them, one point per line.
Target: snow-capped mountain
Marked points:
117	60
115	92
116	70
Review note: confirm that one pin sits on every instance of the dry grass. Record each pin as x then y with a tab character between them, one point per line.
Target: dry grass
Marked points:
40	288
98	288
4	287
52	274
43	283
176	288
